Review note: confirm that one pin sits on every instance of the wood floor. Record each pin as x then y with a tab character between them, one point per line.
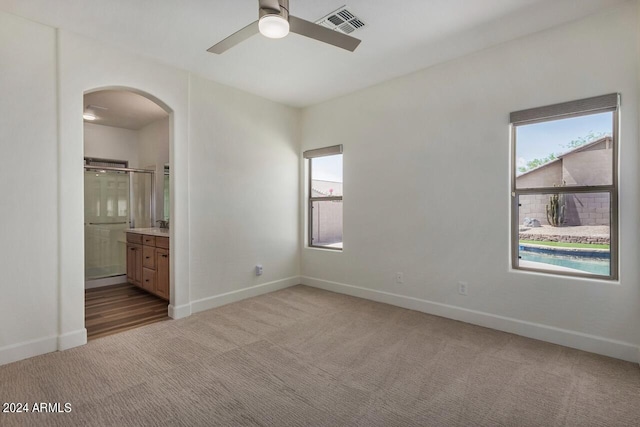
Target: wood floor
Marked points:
117	308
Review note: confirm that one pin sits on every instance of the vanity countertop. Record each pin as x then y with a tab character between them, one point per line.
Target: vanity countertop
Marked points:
155	231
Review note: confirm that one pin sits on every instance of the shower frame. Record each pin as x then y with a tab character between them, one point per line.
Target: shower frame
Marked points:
131	171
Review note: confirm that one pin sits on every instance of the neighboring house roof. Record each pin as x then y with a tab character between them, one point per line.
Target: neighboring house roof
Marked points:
583	147
326	188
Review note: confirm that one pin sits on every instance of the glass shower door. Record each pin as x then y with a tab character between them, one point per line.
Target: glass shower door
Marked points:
142	200
106	217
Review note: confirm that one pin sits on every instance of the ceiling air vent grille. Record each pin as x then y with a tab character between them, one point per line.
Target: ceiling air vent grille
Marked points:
342	20
356	23
335	20
346	28
345	14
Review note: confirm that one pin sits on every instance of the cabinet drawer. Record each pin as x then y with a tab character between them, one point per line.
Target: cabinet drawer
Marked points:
162	242
149	257
149	279
134	238
148	240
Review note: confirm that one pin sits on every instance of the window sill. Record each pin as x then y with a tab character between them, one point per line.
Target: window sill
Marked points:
320	248
563	276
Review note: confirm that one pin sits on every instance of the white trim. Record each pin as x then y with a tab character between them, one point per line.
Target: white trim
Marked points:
180	311
591	343
107	281
251	291
72	339
26	349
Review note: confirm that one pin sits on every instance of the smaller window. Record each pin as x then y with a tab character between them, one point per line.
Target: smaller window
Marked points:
325	197
89	161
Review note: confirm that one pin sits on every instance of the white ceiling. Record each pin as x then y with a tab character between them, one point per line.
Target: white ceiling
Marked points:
400	37
122	109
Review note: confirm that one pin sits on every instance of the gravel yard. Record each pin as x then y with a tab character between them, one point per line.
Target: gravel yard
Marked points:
578	230
573	234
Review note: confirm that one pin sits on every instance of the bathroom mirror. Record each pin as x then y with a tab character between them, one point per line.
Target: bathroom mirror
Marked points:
166	193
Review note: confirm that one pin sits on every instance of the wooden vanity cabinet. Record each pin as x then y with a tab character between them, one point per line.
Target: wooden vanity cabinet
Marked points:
134	259
162	273
148	263
149	280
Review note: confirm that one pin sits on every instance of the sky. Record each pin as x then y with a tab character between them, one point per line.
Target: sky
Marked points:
328	168
541	139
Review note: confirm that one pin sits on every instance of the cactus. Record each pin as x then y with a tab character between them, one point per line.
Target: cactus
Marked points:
555	210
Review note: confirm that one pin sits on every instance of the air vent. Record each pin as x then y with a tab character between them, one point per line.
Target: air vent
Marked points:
356	23
346	28
345	14
342	20
335	20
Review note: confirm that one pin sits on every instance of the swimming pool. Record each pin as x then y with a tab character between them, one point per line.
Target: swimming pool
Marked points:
591	264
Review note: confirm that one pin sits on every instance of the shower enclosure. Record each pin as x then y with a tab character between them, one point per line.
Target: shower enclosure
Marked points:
115	199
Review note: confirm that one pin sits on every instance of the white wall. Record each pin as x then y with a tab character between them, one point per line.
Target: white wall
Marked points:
153	146
243	166
424	142
84	66
28	214
243	148
426	186
108	142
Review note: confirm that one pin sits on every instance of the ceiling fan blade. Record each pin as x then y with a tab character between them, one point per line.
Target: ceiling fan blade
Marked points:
320	33
270	4
235	38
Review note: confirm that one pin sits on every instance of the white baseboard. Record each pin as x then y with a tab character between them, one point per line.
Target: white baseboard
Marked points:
252	291
72	339
24	350
179	311
107	281
591	343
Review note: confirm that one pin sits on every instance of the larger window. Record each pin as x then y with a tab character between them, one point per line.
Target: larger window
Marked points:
565	188
325	197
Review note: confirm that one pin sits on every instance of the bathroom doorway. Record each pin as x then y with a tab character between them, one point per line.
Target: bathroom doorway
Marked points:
126	149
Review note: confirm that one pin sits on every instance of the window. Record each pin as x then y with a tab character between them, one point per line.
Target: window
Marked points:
325	197
565	188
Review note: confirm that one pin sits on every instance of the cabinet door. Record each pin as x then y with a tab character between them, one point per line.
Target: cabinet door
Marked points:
130	261
162	270
132	264
138	265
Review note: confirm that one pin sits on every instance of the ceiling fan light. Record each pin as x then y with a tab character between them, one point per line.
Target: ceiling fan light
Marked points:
273	26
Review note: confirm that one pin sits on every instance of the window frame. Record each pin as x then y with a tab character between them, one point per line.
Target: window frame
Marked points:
559	112
309	156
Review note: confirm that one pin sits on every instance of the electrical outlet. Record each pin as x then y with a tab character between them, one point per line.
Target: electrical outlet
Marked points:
462	288
258	270
399	278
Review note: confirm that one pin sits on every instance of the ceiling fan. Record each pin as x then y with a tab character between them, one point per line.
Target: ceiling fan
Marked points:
275	22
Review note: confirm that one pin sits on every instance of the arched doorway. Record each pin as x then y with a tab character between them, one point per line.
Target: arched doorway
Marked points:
126	211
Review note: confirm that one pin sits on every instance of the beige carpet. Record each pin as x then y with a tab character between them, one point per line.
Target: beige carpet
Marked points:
306	357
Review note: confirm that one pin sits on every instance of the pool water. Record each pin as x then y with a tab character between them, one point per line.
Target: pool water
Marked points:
600	266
